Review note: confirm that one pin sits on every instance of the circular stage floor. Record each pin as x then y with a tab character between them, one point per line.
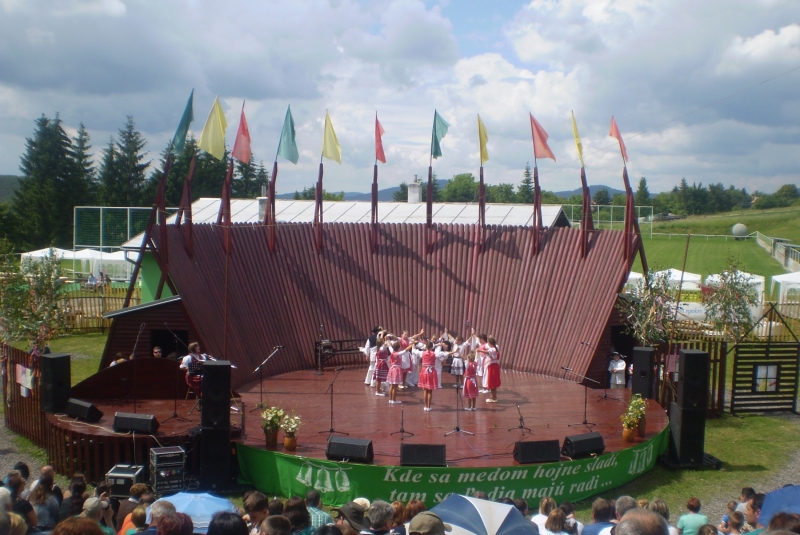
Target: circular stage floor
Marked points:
551	408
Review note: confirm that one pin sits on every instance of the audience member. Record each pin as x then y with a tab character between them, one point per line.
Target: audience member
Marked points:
77	526
126	506
398	528
689	524
747	493
555	523
276	525
546	505
275	507
602	514
19	505
413	508
363	502
735	523
707	529
660	507
226	523
328	530
72	505
145	502
174	524
48	470
753	511
159	509
480	495
256	505
505	500
314	505
351	514
138	521
642	503
522	506
380	514
785	522
297	513
572	525
96	509
45	503
10	522
428	523
639	521
723	526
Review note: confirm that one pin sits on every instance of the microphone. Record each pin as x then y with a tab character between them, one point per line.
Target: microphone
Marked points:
278	347
339	368
565	368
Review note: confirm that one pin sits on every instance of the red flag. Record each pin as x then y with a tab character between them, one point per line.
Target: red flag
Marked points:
241	147
614	132
379	155
540	148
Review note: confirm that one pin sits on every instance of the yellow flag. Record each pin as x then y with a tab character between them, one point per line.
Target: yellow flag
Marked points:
483	137
330	145
578	143
212	139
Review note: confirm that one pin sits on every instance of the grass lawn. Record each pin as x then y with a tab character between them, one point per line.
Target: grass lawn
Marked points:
85	351
776	223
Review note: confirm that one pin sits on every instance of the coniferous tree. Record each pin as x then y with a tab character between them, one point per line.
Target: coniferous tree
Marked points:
525	189
107	176
131	167
602	197
462	188
401	195
642	195
262	177
248	184
209	175
86	174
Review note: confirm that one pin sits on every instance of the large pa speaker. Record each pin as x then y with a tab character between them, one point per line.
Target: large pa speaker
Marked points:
216	413
83	410
642	378
585	445
687	428
138	423
537	451
349	449
215	458
423	455
693	367
56	382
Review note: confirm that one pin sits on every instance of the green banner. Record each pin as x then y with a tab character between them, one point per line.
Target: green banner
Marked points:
289	475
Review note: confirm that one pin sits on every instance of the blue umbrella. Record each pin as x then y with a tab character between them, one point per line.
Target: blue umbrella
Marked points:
483	517
786	500
200	507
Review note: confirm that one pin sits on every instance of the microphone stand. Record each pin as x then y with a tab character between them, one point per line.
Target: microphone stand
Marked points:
320	369
457	428
521	425
402	432
260	405
604	397
331	431
585	422
177	380
135	345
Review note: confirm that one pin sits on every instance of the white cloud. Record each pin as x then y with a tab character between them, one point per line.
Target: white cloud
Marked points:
768	47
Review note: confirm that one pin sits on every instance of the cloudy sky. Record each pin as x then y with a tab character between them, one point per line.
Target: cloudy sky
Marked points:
706	90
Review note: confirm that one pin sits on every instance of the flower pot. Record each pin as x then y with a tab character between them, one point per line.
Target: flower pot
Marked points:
628	435
640	429
271	437
290	442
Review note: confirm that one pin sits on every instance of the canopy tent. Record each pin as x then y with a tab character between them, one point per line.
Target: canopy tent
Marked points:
788	287
674	277
757	281
88	261
633	281
41	253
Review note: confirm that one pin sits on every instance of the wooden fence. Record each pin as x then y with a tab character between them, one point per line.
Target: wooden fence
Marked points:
85	309
23	413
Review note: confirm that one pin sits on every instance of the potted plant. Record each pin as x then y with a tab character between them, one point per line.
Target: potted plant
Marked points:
633	419
271	418
290	423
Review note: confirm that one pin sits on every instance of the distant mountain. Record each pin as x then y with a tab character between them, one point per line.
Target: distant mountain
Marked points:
592	190
8	185
384	195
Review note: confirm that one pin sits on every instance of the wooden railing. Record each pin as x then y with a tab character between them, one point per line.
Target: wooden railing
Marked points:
23	414
85	309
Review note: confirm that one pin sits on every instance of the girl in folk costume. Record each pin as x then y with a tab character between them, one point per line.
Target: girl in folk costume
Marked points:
457	366
428	380
381	365
492	372
470	384
395	377
481	360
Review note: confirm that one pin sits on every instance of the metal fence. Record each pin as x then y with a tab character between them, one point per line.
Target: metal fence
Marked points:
608	217
788	254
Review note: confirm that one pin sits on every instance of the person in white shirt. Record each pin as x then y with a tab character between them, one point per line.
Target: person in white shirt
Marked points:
617	368
370	349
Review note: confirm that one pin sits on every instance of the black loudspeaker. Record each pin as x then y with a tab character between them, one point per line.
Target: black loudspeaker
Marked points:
693	367
642	379
538	451
687	429
83	410
423	455
580	446
216	413
215	458
138	423
354	450
56	382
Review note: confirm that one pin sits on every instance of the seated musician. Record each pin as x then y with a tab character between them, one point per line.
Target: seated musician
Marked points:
193	364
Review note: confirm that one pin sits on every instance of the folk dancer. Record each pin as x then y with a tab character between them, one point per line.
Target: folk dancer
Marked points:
395	376
491	374
381	365
408	362
470	384
444	350
369	350
428	379
457	365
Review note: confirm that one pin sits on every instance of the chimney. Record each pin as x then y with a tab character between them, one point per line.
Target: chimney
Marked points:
414	193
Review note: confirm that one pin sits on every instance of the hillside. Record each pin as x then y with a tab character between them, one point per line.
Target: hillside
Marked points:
8	185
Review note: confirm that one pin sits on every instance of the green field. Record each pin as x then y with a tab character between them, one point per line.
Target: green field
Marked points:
85	351
777	223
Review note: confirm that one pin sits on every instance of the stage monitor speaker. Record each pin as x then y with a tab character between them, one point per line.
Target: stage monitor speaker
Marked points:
642	378
585	445
138	423
687	429
215	458
693	369
538	451
423	455
56	382
83	410
354	450
216	413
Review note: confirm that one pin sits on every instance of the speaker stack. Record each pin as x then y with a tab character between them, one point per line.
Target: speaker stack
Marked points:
687	415
137	423
83	410
215	422
585	445
537	451
642	379
423	455
56	382
354	450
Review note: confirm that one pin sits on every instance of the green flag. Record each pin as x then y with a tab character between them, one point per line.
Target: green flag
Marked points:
183	127
287	146
440	127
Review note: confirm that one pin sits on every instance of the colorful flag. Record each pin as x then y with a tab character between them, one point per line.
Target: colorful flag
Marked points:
379	154
288	146
330	145
614	132
440	127
183	126
540	147
241	147
578	143
212	138
483	138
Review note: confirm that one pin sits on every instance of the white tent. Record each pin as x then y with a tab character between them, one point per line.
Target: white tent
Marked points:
674	277
788	287
41	253
757	281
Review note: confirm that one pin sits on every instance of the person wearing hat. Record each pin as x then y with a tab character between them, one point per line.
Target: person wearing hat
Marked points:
617	369
97	509
351	514
428	523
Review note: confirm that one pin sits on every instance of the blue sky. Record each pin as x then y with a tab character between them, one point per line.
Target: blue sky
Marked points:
647	62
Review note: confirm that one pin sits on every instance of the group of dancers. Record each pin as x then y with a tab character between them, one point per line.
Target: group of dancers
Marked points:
405	361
